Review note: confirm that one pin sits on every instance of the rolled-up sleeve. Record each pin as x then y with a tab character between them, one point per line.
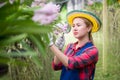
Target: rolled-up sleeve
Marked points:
89	56
59	65
56	66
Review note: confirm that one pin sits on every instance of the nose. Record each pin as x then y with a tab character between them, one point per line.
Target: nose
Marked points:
74	28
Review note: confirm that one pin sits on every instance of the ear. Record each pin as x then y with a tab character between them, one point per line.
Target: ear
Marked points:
89	28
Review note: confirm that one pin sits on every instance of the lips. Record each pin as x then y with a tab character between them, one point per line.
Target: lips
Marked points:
75	33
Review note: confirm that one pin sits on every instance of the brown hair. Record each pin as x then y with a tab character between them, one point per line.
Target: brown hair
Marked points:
88	24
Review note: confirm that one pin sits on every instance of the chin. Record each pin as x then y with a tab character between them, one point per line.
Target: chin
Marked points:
76	37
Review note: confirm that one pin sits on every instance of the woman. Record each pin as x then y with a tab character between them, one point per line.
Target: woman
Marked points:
79	59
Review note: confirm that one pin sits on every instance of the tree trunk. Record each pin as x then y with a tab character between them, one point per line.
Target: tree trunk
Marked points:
105	35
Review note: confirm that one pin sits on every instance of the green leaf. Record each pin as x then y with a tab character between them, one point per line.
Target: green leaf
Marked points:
4	60
25	26
11	39
38	42
111	2
96	6
12	57
8	9
19	54
37	61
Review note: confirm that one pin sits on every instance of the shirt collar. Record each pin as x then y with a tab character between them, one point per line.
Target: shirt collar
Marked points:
74	45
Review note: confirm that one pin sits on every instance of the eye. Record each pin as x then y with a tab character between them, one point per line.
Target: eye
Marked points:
79	25
73	25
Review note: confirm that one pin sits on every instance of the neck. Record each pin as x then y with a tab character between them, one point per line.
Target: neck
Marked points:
83	40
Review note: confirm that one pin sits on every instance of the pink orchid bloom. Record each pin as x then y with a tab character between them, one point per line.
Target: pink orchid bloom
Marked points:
47	14
90	2
36	3
50	8
61	28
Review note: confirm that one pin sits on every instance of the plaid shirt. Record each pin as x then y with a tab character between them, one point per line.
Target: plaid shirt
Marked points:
84	62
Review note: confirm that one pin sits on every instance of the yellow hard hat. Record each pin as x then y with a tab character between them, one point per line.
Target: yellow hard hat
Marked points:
85	14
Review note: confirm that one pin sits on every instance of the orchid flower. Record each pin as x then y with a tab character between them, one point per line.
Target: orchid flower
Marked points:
90	2
61	28
47	14
11	1
2	4
36	3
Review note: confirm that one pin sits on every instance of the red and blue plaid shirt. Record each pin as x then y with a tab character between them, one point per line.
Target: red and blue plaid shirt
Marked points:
85	62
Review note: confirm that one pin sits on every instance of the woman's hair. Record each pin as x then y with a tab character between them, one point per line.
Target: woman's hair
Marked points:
88	24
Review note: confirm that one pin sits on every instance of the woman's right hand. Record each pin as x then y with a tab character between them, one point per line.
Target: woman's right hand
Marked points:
60	41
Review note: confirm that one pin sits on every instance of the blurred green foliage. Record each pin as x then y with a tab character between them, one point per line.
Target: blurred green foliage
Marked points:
22	40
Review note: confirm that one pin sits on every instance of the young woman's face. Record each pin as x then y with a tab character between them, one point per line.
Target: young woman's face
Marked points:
80	29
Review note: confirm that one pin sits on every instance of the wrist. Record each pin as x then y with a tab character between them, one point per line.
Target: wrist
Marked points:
51	44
